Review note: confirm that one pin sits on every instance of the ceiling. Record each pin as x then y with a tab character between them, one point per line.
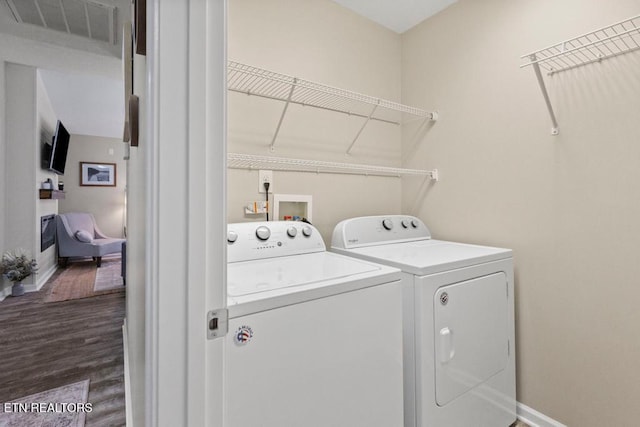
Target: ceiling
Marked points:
397	15
87	105
90	105
84	18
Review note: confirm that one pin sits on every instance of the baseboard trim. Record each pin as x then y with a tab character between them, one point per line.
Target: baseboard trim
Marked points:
44	277
534	418
5	292
127	376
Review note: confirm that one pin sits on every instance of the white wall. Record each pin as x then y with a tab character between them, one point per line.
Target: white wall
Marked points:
44	55
105	203
566	204
321	41
21	142
28	118
46	125
30	122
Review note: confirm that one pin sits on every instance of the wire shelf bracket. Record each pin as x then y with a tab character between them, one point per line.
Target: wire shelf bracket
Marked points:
607	42
255	162
255	81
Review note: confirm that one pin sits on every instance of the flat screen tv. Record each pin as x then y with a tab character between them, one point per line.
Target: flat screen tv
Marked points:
59	149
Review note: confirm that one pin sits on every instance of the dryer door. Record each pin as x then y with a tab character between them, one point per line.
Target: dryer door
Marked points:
471	334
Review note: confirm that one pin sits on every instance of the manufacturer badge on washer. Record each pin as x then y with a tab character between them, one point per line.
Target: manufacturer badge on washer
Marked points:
243	335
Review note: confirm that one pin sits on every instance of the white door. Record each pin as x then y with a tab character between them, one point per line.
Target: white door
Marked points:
186	231
471	333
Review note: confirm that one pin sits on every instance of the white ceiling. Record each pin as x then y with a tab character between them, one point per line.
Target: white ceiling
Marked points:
87	105
397	15
86	18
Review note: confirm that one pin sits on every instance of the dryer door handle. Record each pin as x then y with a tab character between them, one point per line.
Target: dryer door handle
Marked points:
446	345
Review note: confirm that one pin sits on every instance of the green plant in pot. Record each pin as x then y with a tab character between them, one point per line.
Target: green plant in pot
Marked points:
16	266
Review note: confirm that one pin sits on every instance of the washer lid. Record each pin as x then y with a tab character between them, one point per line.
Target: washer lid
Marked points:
262	284
429	256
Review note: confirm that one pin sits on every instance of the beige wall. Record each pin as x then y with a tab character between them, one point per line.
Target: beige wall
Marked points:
320	41
568	205
105	203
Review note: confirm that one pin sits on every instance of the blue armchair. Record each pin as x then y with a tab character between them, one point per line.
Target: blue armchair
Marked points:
79	236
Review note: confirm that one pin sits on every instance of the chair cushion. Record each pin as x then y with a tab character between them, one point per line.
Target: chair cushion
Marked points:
107	246
84	236
79	221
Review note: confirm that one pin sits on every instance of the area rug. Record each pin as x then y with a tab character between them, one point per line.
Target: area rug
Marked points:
64	406
108	277
79	279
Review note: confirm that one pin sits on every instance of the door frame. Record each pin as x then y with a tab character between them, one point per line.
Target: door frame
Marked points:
186	207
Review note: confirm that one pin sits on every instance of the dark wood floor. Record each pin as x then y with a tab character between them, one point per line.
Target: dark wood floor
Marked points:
47	345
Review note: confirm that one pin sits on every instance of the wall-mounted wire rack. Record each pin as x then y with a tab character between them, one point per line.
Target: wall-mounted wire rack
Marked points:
255	162
251	80
607	42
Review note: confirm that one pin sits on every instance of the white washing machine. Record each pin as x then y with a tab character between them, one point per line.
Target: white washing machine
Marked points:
458	318
315	338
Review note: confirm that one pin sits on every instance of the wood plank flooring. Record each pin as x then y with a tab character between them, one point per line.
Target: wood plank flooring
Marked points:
47	345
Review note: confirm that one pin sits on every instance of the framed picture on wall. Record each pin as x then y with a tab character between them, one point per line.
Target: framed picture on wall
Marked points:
97	174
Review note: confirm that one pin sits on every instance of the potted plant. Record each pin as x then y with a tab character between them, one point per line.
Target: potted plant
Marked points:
16	266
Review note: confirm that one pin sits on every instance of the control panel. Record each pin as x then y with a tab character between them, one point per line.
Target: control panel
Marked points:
269	239
373	230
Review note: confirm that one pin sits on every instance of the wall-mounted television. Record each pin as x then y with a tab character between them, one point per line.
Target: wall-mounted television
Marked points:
59	148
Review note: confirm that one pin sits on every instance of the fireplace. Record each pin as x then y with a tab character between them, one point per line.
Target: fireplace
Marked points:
47	231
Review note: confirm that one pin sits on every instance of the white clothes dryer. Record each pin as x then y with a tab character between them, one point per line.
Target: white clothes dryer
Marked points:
459	355
315	338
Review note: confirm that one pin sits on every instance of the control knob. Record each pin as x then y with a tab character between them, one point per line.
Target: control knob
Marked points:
405	223
263	232
292	231
306	231
387	224
232	236
415	223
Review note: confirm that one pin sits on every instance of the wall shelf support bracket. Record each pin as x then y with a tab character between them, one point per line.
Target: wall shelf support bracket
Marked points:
545	95
284	111
607	42
362	128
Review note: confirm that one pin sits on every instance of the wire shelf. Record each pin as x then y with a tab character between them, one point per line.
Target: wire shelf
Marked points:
251	80
607	42
254	162
613	40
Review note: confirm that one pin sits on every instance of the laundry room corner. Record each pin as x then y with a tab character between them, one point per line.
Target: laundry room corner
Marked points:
564	202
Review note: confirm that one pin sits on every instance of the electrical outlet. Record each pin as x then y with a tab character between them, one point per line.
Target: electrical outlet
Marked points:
265	176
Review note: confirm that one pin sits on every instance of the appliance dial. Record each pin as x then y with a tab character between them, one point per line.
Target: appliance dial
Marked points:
306	230
387	224
405	223
292	231
232	236
414	223
263	232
